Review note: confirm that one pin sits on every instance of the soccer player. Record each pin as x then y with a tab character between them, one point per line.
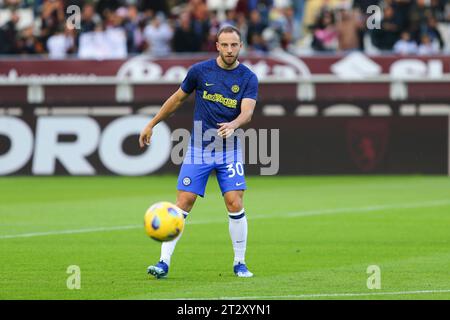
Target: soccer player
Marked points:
225	98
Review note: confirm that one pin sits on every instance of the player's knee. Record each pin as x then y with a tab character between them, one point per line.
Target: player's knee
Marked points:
186	201
234	204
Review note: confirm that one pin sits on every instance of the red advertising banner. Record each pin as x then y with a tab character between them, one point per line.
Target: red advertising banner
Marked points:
282	77
282	66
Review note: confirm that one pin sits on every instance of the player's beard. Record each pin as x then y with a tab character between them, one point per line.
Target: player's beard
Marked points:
228	60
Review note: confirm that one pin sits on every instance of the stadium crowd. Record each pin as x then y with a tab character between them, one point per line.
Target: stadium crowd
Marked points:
117	28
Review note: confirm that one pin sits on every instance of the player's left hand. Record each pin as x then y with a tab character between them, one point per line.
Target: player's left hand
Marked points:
226	129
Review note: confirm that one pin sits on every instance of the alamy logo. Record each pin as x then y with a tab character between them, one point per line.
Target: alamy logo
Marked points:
74	17
74	280
374	280
251	146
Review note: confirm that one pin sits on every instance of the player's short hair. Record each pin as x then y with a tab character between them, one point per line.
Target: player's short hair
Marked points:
228	29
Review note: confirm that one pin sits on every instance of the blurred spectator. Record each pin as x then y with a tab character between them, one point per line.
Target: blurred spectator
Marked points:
198	9
259	4
52	17
8	35
241	24
185	39
160	26
61	43
263	6
298	7
431	29
209	45
363	5
387	36
271	40
158	34
290	28
103	43
405	45
258	44
104	6
428	47
131	21
242	6
324	33
12	4
140	44
200	18
230	18
279	23
154	6
401	10
89	18
255	27
28	42
348	25
447	12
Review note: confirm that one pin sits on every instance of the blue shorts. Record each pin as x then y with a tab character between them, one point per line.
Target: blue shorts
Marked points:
198	164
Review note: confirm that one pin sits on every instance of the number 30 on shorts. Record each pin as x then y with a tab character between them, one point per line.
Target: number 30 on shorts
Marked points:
239	169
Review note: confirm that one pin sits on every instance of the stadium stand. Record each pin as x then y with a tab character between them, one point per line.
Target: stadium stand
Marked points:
120	28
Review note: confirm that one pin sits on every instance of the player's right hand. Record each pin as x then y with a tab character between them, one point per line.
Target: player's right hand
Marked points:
144	138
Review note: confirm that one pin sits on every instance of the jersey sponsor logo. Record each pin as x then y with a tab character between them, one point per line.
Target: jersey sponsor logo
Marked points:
217	97
235	88
239	184
209	84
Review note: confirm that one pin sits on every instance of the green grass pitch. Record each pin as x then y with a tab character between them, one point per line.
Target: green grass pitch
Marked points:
309	238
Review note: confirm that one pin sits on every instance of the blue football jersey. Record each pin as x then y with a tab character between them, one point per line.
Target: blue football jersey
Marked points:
218	94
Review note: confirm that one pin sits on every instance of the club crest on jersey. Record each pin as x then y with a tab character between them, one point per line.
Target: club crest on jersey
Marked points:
186	181
235	88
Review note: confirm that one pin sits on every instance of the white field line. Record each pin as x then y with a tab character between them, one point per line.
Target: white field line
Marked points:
51	233
400	206
374	208
325	295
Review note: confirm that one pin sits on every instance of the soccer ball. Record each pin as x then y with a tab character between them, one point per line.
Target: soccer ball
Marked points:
163	221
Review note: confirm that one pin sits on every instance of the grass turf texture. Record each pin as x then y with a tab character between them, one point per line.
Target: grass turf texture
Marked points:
307	236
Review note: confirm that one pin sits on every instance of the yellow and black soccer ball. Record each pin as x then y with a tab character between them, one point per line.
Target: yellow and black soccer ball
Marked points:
163	221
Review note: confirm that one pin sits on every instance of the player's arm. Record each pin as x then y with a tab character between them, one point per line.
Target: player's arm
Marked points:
247	107
168	108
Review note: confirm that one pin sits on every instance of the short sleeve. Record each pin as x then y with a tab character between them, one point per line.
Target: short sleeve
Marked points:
251	90
190	82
